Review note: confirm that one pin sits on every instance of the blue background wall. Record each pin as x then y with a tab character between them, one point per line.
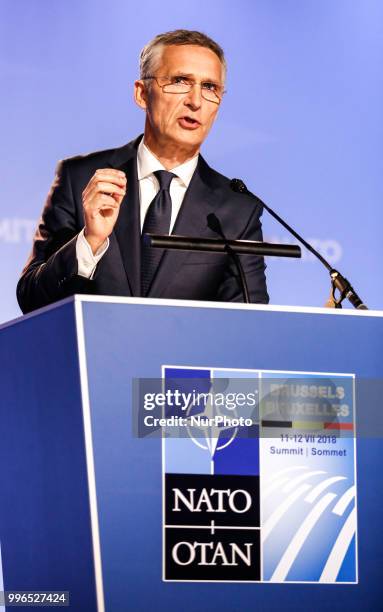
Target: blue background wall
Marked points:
301	122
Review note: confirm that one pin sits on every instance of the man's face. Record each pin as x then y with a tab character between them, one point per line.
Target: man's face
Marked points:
180	120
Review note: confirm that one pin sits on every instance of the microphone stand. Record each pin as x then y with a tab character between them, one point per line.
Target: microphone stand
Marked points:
215	225
338	281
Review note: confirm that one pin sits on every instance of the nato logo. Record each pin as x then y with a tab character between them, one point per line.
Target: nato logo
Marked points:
211	487
241	506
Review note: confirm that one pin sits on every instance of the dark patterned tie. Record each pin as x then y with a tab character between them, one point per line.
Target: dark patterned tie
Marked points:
157	221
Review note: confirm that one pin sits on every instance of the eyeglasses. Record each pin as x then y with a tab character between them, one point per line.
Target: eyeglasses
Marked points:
181	84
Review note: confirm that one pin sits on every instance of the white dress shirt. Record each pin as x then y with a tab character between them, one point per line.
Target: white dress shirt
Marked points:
147	163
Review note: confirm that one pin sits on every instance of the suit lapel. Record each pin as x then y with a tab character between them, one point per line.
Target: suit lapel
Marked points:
200	199
127	228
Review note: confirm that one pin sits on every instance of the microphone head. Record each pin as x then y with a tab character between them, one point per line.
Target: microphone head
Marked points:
238	185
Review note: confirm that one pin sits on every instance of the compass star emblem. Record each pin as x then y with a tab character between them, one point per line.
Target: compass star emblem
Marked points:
209	435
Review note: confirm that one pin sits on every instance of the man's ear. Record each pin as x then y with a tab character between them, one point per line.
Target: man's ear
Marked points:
140	94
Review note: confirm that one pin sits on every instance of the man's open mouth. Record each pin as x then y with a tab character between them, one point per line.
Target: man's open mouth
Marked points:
188	122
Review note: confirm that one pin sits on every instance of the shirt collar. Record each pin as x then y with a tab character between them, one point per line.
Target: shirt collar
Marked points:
147	163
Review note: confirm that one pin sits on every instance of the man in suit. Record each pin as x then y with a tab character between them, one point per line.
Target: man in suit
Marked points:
90	237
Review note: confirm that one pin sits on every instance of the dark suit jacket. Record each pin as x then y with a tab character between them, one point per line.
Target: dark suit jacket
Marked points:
51	271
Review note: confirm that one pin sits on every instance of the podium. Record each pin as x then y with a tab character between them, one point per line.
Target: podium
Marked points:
287	516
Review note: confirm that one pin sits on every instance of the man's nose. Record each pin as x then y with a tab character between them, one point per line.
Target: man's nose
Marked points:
194	97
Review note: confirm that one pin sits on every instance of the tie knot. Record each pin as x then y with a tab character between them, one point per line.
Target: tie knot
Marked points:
164	178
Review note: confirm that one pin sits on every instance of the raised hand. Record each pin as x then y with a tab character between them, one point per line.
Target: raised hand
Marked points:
101	200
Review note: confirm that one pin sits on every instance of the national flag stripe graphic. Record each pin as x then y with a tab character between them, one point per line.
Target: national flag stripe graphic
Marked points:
308	425
286	424
348	426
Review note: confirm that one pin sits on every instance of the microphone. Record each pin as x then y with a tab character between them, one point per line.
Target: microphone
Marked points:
338	281
214	224
211	245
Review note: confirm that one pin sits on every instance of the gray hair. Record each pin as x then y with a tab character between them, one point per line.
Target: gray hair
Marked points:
151	52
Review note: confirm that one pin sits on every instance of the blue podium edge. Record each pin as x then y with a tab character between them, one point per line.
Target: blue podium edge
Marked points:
88	442
106	299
